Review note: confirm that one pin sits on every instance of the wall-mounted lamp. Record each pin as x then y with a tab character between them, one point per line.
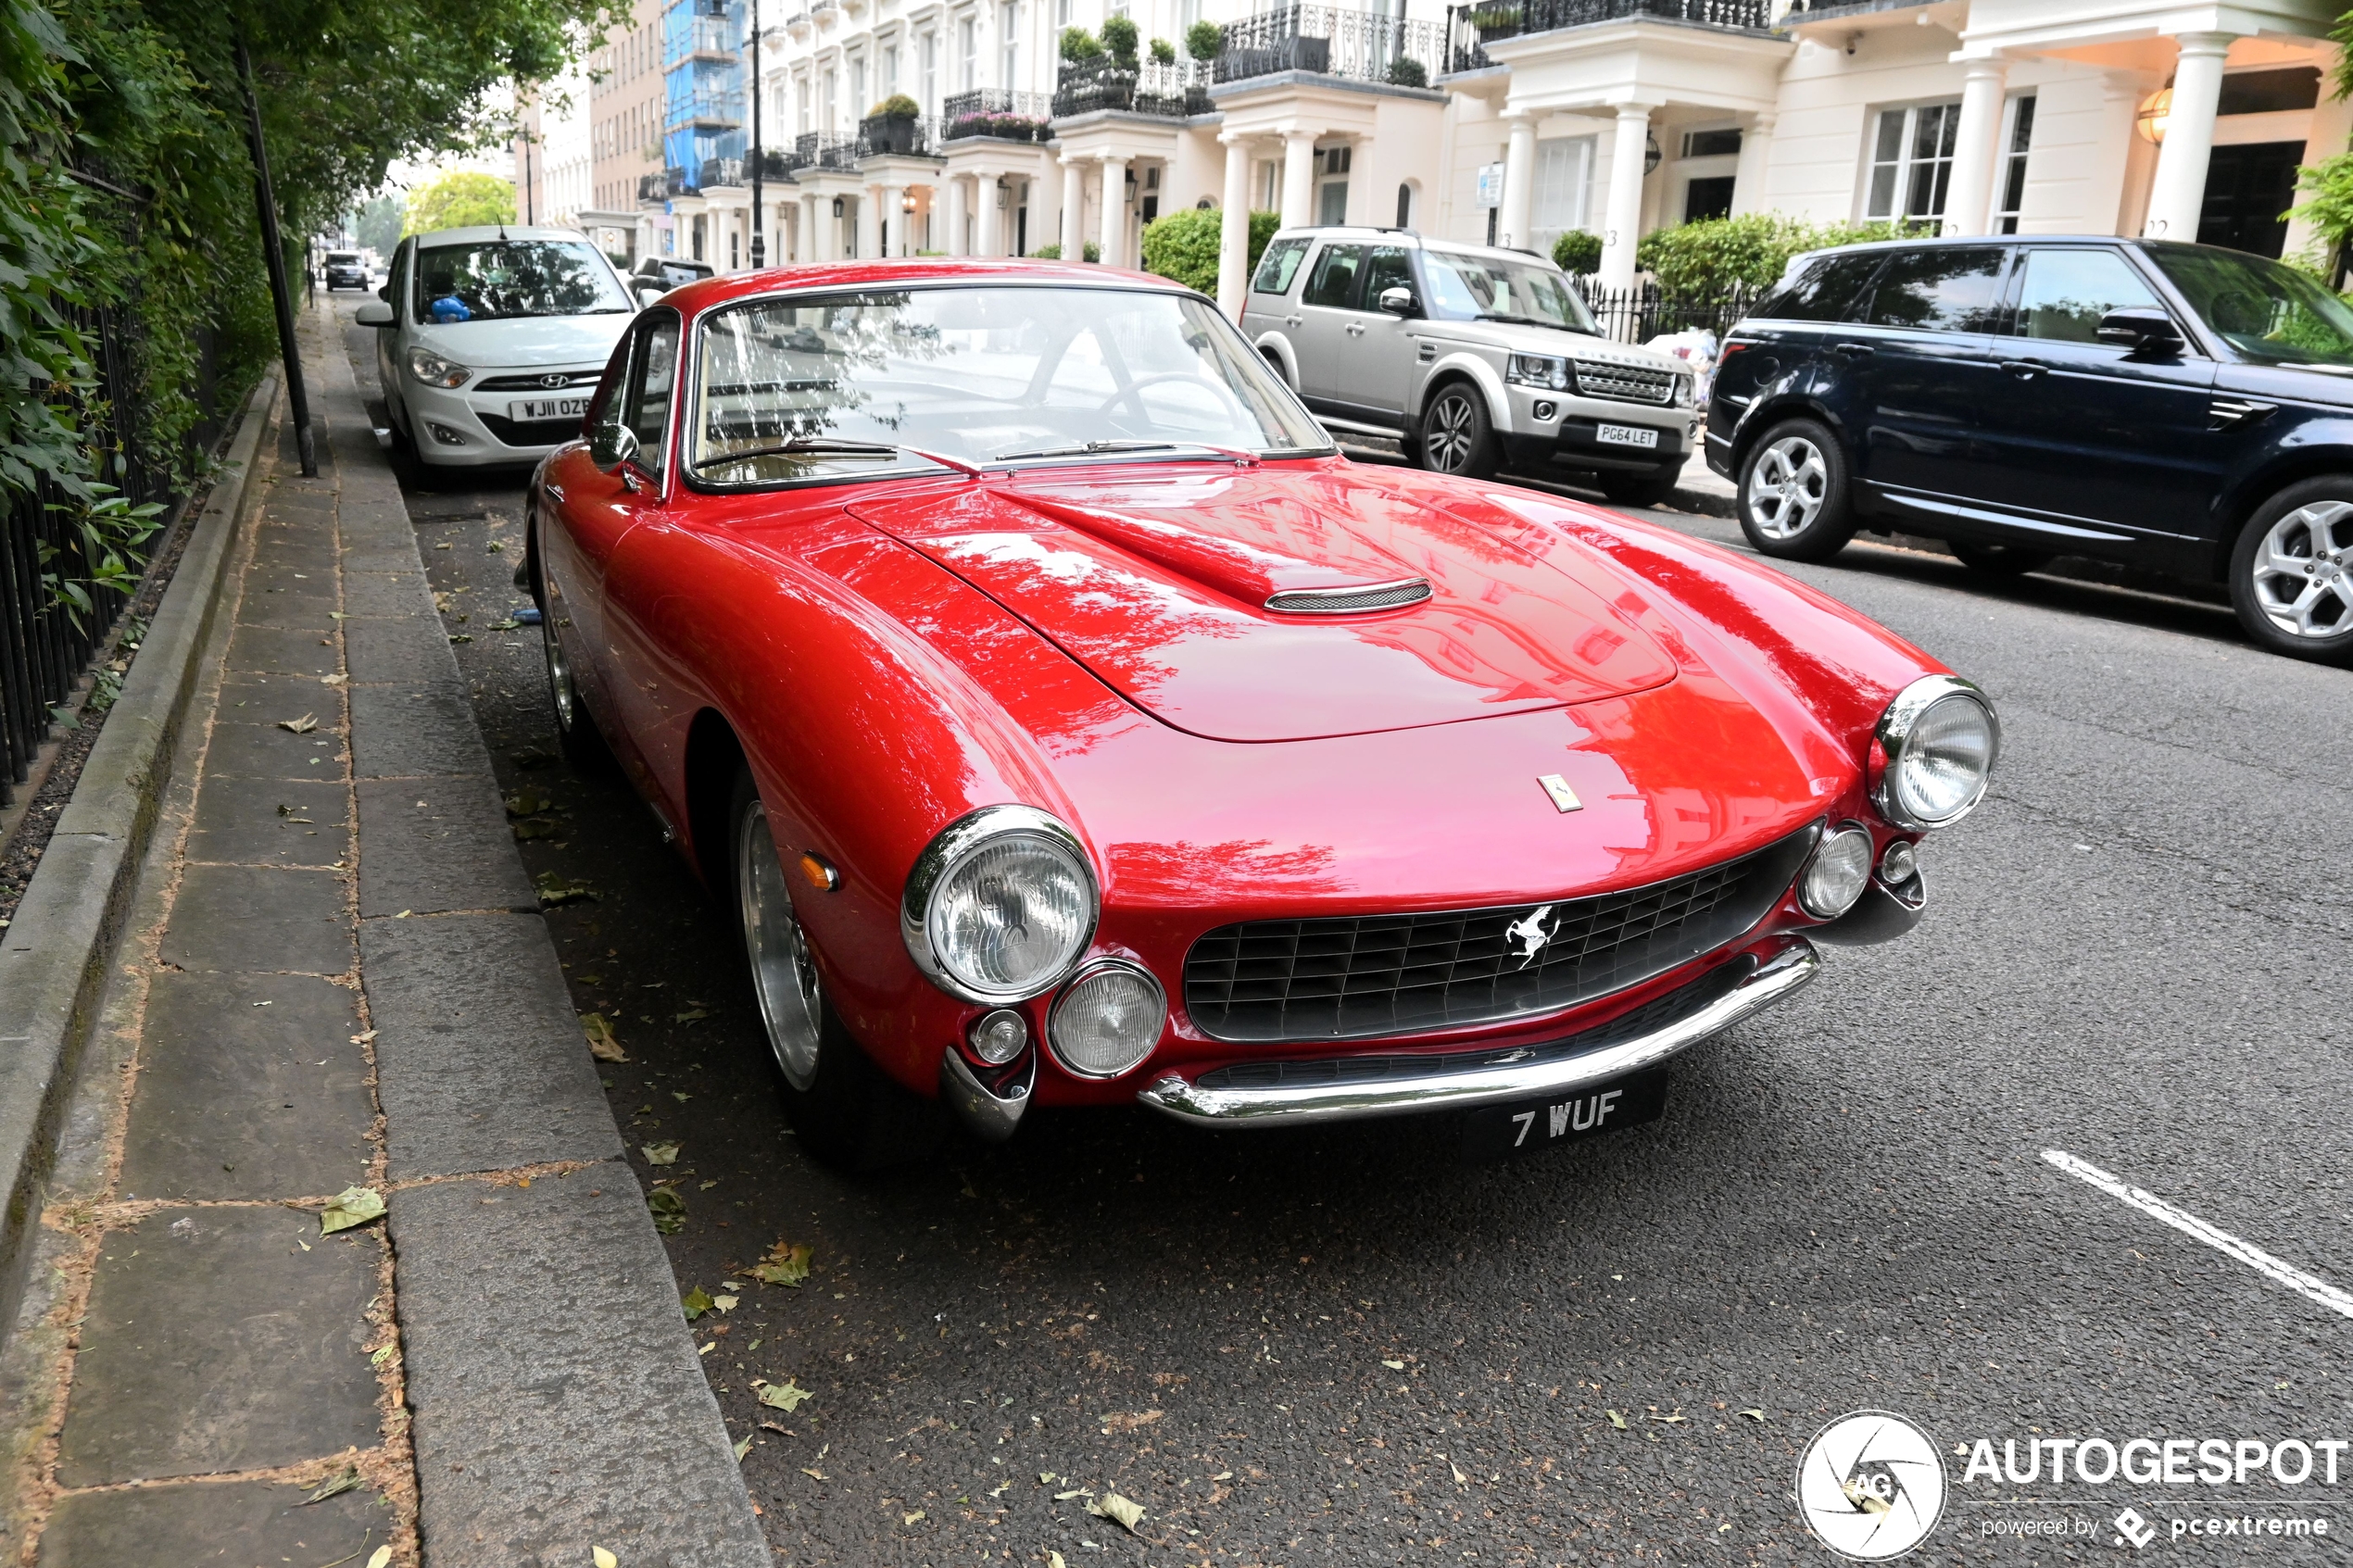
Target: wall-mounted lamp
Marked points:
2156	113
839	206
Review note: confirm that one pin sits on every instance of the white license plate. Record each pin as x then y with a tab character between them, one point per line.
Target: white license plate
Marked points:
549	408
1626	435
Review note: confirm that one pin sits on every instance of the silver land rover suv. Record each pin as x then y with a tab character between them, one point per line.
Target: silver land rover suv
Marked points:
1475	359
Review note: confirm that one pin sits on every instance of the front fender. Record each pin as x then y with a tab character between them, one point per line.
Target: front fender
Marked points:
1285	357
1490	386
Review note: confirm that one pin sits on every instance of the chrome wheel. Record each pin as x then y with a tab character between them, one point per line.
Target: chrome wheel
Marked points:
784	972
2303	572
1451	432
559	693
1787	484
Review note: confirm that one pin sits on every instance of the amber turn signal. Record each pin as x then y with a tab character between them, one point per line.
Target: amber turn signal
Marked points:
821	873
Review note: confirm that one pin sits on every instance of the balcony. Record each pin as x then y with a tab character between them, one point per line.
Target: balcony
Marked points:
714	39
895	137
997	113
1164	92
773	165
823	150
662	187
1470	28
708	108
1326	41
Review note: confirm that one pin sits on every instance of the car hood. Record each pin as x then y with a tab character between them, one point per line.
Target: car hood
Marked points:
1511	337
526	341
1158	586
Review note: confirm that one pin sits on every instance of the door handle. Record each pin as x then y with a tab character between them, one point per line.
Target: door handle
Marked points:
1856	350
1356	329
555	492
1291	320
2024	370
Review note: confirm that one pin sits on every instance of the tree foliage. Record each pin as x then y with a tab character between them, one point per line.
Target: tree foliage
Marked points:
1079	45
378	223
1163	52
1578	252
1204	40
1716	254
2327	206
460	199
1183	245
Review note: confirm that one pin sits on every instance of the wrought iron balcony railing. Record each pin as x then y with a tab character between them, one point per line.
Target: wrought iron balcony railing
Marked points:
896	136
1470	28
996	112
773	165
662	187
1165	92
1329	41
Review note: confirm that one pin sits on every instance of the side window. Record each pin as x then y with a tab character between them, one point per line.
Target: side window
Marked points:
1828	290
603	402
2066	293
1335	271
1386	268
1278	267
396	281
1942	289
652	381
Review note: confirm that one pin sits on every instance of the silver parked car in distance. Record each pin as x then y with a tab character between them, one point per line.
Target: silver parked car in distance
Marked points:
1474	358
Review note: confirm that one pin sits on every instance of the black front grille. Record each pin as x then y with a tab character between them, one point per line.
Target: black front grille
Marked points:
1337	1070
532	432
1354	976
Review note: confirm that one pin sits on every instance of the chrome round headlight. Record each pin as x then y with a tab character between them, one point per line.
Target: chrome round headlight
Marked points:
1107	1020
1836	876
999	1037
999	905
1940	738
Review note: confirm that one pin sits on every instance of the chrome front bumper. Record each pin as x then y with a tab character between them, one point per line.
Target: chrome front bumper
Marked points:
1782	966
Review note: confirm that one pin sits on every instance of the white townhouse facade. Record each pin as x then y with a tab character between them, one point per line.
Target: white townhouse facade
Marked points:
1509	120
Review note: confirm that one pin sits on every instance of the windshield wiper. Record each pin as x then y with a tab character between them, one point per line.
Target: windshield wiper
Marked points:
1086	449
819	447
1537	321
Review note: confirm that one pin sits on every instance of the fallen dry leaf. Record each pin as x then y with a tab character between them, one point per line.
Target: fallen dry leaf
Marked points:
1123	1422
1394	1366
604	1558
379	1557
602	1045
695	1302
662	1153
915	1518
1460	1479
1055	1559
786	1396
301	727
814	1474
724	1304
1616	1420
668	1208
1754	1416
786	1264
1118	1510
743	1448
353	1206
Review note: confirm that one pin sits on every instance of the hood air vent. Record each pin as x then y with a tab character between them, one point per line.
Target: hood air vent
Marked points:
1355	599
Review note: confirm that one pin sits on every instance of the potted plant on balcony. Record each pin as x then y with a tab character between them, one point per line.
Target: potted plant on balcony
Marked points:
1120	37
1407	71
889	126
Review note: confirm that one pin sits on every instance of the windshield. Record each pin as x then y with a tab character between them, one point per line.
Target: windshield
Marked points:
1485	288
499	279
342	259
976	375
2264	310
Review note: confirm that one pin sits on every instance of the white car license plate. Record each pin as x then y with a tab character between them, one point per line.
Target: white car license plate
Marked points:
1626	435
549	408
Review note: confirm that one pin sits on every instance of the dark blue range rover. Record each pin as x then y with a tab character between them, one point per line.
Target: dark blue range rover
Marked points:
2174	406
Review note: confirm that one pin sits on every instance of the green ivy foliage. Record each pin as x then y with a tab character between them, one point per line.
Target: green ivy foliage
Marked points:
1183	245
1717	254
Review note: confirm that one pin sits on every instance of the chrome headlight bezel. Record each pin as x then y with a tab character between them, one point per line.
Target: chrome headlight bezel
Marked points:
433	369
955	845
1103	967
1901	723
1844	834
1546	371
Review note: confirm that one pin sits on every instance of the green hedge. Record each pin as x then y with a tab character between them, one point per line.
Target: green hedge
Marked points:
1183	245
1717	254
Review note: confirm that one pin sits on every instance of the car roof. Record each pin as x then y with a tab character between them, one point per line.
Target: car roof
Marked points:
692	298
480	232
1410	238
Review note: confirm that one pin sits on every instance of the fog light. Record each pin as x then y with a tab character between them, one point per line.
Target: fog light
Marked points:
1544	411
444	434
1837	874
1107	1020
999	1037
1900	864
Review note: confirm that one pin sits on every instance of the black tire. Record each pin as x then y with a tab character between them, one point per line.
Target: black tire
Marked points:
1795	502
577	735
2292	571
1998	560
1641	489
1455	436
847	1112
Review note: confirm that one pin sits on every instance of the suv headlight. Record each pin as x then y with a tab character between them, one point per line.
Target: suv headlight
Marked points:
434	371
1536	369
1940	737
1683	385
1000	906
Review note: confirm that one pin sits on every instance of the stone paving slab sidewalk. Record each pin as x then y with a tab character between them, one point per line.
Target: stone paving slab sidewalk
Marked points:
335	974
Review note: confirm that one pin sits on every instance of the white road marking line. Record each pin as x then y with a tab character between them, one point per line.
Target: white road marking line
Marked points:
2277	1270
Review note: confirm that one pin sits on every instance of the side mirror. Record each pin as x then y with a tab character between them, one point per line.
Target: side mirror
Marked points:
648	288
2144	329
611	444
375	313
384	294
1398	302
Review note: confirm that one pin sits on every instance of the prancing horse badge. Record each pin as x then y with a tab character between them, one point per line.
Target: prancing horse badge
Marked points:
1564	797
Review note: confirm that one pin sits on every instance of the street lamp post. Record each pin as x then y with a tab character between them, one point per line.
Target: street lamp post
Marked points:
758	241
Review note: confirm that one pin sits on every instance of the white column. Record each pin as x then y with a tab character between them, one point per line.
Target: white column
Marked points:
1115	214
1299	178
1513	223
1976	151
955	245
869	215
1233	230
1748	175
985	219
895	242
2179	191
1622	221
1074	227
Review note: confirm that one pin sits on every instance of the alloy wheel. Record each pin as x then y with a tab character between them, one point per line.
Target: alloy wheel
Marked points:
784	972
2303	573
1787	485
559	693
1447	440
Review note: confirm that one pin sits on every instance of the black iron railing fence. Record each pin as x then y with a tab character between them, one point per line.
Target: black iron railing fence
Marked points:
1169	91
1642	312
1470	28
1330	41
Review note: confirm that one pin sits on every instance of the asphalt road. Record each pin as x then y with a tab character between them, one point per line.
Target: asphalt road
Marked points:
1347	1347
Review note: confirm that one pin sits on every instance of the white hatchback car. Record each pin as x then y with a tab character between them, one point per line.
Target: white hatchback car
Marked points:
491	340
